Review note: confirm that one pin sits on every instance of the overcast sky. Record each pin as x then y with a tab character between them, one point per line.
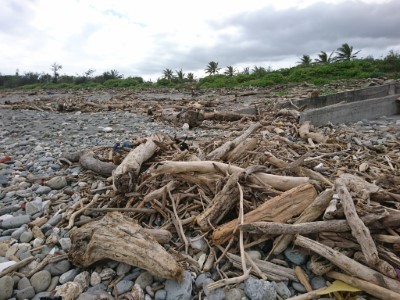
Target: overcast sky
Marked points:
142	38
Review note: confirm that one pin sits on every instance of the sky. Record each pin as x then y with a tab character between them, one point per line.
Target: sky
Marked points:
142	38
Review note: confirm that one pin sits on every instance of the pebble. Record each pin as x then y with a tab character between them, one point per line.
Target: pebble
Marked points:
122	268
26	237
57	182
6	287
144	280
160	295
318	282
182	290
282	289
15	222
295	256
234	294
124	286
95	295
43	190
23	283
95	279
299	287
257	289
68	276
65	244
39	296
17	233
26	293
200	280
58	268
41	280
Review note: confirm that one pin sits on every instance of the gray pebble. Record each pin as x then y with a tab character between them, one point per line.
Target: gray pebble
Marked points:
176	290
200	280
295	256
254	254
58	268
144	280
23	283
299	287
160	295
15	222
218	294
6	287
83	279
149	291
26	237
206	282
68	276
234	294
95	295
318	282
282	289
43	190
123	269
41	280
53	284
95	279
17	233
124	286
34	206
26	293
65	244
257	289
57	183
97	287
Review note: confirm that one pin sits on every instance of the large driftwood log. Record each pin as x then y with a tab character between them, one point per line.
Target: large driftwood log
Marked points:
366	286
311	213
88	161
282	183
304	132
247	145
347	264
220	205
118	238
358	228
191	117
273	228
126	174
278	209
222	151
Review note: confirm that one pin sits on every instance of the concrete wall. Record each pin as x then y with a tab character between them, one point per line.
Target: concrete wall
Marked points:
353	111
350	96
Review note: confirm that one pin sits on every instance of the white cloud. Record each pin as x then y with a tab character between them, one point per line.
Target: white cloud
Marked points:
142	38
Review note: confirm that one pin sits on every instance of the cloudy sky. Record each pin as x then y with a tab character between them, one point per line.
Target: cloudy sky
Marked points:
141	38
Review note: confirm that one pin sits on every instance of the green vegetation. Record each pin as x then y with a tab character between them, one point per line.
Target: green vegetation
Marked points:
322	70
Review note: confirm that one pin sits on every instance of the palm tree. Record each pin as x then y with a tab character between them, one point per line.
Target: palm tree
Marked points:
212	68
180	75
246	71
259	71
305	60
345	53
230	71
324	58
168	74
190	77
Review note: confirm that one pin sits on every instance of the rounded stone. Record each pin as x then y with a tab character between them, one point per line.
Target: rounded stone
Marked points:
160	295
282	289
6	287
26	237
254	254
257	289
26	293
41	281
65	243
123	269
58	268
95	279
179	290
23	283
57	183
318	282
295	256
68	276
234	294
124	286
299	287
144	280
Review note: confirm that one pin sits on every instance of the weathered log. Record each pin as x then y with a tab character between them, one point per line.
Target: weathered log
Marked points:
304	132
117	237
358	228
311	213
126	174
222	151
278	182
278	209
366	286
223	116
272	228
382	266
220	205
358	185
347	264
88	161
273	271
191	117
247	145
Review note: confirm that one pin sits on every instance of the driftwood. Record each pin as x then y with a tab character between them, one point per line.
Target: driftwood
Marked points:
222	151
272	228
278	209
224	116
348	265
126	174
358	228
191	117
311	213
304	132
203	167
221	204
118	238
366	286
247	145
88	161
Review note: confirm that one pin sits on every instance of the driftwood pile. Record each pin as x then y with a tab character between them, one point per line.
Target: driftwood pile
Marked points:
323	191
